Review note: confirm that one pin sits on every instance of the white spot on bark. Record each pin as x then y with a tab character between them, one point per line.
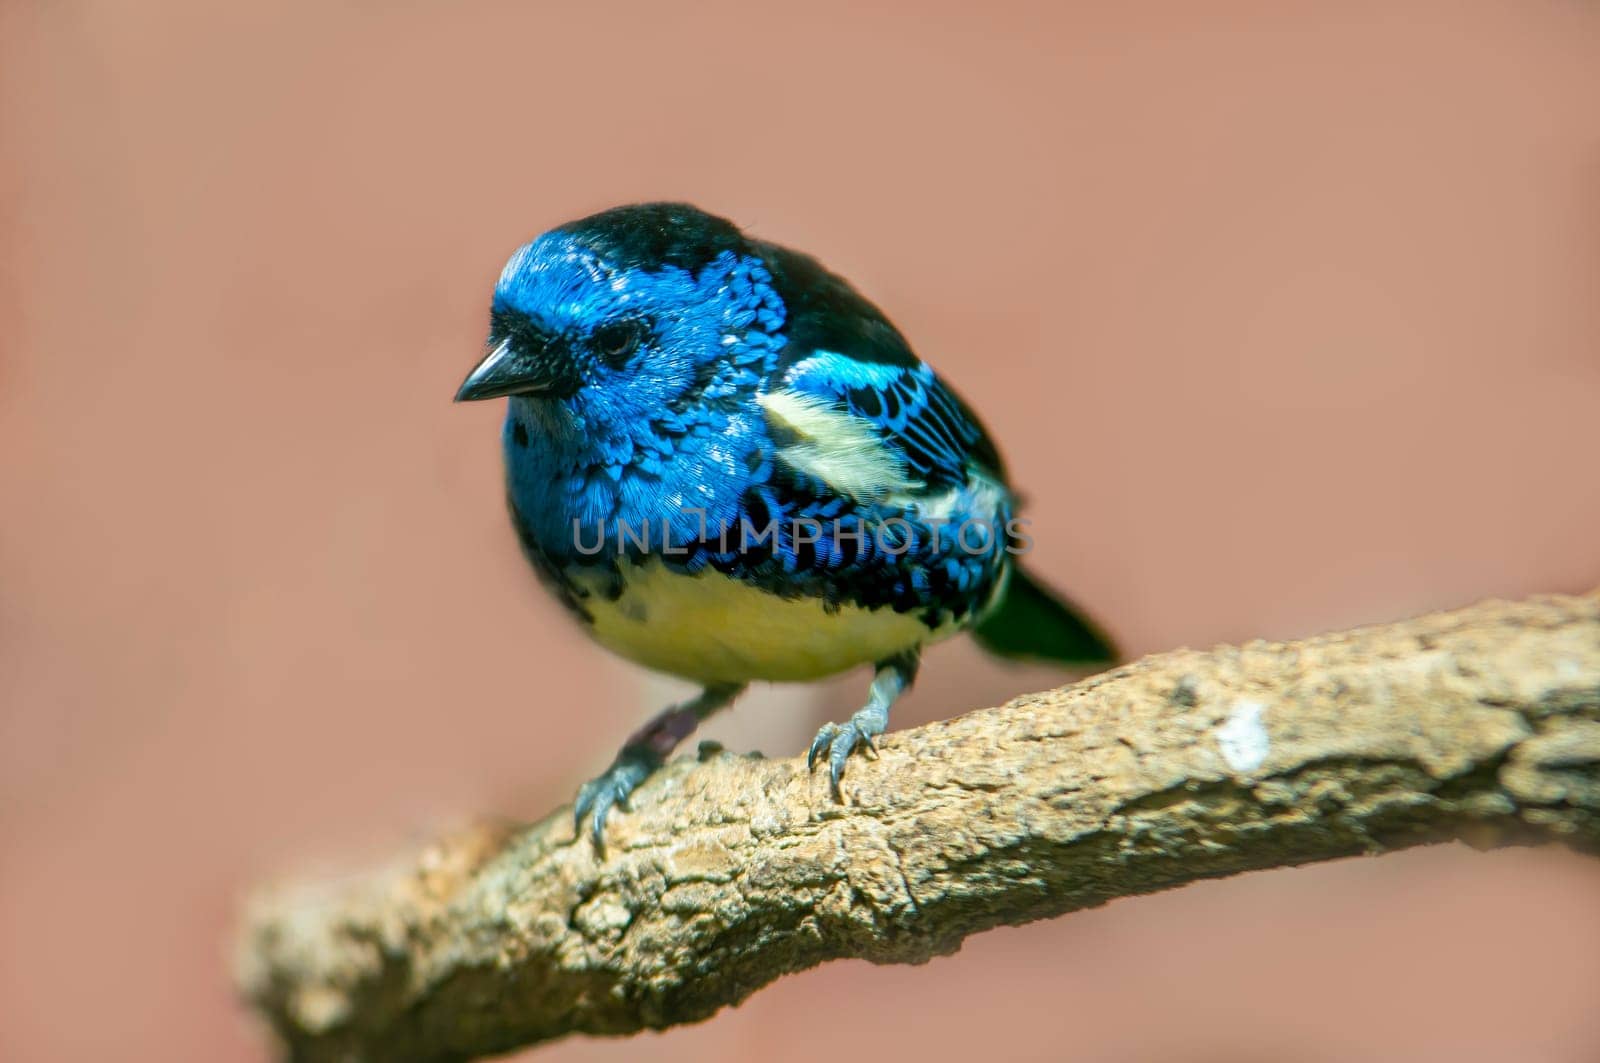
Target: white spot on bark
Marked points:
1243	738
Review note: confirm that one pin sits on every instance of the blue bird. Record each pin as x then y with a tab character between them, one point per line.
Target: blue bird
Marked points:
729	466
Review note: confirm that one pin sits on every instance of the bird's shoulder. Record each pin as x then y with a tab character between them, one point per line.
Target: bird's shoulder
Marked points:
848	390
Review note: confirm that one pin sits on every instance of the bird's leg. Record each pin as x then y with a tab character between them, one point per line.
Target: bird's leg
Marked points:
642	754
893	678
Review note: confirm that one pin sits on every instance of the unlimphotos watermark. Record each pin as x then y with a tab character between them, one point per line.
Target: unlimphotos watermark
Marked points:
892	536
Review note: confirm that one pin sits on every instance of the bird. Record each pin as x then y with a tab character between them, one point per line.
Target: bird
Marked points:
729	466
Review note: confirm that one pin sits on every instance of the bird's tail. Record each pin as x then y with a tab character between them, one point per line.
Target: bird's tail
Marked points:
1031	621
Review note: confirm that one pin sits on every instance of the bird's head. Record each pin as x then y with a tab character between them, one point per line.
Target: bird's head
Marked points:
618	314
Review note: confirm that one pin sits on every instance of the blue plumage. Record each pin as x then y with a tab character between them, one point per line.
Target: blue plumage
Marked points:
731	466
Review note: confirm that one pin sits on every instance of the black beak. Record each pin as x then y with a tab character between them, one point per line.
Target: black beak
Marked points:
505	371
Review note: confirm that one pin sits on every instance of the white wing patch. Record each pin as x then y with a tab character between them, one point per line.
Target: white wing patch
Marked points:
840	449
981	498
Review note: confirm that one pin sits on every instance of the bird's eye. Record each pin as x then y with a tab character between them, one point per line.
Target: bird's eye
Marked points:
617	340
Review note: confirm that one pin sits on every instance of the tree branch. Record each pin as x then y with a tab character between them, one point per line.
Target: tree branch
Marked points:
1481	724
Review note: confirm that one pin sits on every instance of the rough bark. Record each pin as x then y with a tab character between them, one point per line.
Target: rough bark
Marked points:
1481	724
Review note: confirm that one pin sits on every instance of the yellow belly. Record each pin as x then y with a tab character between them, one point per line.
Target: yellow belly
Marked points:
711	628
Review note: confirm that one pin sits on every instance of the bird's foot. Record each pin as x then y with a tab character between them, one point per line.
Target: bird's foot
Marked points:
839	740
612	788
641	755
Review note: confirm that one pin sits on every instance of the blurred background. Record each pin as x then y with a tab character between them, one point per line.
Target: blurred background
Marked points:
1286	316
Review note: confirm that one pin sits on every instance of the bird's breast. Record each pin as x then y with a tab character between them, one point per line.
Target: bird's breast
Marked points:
587	499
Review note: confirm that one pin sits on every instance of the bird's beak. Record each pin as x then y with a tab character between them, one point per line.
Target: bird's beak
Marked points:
504	371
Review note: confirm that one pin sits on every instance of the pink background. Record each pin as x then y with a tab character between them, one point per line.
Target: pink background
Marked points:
1285	315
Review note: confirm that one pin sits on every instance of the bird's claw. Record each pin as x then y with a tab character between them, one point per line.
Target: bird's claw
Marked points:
819	743
613	787
840	740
